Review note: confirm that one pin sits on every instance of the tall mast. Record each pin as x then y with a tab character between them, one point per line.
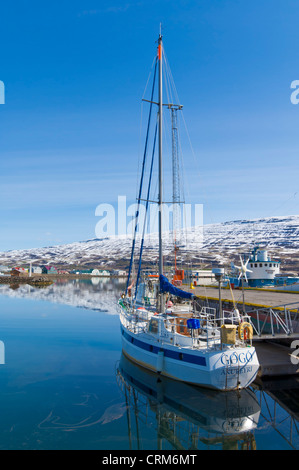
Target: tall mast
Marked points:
160	201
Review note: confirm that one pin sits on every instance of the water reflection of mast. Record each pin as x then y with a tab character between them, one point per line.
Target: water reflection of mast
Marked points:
136	418
127	389
128	416
164	431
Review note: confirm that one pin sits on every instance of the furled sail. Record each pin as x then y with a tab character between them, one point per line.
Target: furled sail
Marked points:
166	286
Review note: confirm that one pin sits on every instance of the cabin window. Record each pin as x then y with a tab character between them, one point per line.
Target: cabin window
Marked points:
153	326
251	265
255	265
266	264
181	326
261	265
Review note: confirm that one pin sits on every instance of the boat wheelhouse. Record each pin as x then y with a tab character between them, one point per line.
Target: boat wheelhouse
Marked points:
263	269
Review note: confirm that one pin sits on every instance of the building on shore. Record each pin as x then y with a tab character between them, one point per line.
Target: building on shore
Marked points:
91	272
19	272
200	277
5	269
119	273
49	270
36	270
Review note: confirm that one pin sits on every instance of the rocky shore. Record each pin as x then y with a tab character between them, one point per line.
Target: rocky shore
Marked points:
17	280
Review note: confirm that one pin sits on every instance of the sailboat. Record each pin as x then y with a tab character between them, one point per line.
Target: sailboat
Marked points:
169	335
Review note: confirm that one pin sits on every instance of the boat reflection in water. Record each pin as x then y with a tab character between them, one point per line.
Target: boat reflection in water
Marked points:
186	417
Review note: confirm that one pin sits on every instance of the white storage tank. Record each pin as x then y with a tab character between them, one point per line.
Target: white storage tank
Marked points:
262	255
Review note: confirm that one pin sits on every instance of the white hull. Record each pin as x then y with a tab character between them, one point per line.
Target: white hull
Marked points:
226	369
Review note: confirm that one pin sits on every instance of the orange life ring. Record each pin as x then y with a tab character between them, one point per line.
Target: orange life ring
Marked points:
245	331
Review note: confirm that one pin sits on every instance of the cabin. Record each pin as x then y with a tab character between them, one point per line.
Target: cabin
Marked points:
102	272
21	270
49	270
119	273
17	272
36	270
95	272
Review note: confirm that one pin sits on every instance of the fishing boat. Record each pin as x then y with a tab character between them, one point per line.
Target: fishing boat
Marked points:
262	271
166	333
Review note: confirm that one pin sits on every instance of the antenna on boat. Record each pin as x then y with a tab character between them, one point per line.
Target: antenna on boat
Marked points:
175	179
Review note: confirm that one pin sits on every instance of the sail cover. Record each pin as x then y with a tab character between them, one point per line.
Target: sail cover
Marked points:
166	286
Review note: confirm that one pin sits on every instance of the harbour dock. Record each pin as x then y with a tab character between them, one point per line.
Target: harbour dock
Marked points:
253	297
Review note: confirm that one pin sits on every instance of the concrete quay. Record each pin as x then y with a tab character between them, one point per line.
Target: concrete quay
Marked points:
252	297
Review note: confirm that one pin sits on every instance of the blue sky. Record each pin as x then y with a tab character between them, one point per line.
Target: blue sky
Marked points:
74	75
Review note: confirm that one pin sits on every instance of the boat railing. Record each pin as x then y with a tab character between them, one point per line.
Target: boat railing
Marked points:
233	317
208	310
177	329
135	319
184	335
208	329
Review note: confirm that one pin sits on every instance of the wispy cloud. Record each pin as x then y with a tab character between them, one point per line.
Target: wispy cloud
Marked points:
110	9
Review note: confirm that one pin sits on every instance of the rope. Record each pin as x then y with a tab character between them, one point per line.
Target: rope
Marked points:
146	210
141	180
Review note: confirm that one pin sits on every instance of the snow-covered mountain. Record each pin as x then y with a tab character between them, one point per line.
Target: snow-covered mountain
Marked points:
220	242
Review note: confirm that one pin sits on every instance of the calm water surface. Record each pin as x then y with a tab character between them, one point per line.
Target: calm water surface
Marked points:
65	385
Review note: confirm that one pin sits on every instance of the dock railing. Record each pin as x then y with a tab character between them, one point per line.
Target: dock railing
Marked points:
277	322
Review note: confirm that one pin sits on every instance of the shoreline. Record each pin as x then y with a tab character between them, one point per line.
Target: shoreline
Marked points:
48	279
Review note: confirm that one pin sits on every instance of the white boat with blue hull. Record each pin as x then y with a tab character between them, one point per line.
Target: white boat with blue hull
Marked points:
169	336
210	356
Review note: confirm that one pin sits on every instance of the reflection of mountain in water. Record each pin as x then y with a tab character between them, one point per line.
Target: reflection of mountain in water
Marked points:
93	294
187	417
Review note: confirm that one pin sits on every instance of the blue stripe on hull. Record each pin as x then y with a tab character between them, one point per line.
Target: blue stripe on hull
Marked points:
179	356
